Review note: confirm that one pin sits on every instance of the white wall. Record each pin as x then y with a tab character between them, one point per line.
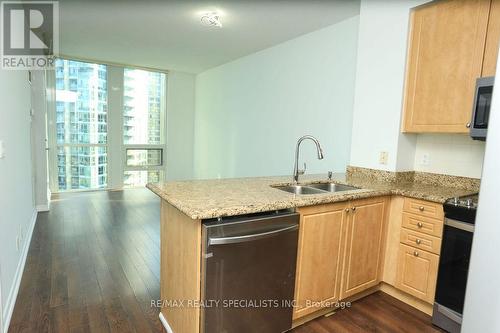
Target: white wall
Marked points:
482	299
250	112
452	154
17	208
180	125
383	35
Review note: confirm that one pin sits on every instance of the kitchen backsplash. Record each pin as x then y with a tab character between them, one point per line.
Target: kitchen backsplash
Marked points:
451	154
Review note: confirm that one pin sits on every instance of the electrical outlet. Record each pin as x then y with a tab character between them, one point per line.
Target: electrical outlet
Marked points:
383	157
425	159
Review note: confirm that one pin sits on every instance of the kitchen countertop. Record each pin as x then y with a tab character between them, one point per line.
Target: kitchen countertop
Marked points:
203	199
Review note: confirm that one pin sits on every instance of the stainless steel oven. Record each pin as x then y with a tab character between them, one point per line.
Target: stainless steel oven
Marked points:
481	108
454	262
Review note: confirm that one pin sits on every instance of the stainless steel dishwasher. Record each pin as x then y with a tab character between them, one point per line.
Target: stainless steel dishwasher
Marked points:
248	273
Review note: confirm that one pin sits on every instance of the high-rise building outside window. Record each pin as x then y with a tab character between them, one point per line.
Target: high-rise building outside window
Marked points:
86	141
143	125
81	125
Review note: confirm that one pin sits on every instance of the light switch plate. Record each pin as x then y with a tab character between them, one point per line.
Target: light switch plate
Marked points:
384	157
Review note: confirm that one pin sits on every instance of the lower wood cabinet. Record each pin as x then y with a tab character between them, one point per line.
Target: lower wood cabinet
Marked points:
319	257
364	238
339	252
417	272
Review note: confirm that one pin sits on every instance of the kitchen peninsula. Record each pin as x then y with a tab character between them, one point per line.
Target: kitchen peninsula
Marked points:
383	235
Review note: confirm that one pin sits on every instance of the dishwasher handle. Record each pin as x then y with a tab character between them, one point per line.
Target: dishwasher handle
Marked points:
249	238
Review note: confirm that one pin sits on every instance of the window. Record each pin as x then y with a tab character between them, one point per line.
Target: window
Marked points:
144	157
143	125
82	133
80	142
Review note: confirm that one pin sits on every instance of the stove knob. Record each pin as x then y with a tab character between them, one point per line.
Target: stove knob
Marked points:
469	202
456	201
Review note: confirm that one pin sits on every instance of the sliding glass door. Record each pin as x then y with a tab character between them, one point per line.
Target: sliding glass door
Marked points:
105	140
81	125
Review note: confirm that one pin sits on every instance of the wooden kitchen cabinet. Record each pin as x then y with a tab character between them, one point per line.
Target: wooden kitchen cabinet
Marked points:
445	57
319	257
363	252
492	40
417	272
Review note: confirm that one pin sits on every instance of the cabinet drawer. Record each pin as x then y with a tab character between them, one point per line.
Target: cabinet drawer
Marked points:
424	208
426	225
421	241
417	272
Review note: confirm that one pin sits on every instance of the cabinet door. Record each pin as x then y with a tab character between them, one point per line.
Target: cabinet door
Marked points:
319	258
492	40
362	262
447	41
417	272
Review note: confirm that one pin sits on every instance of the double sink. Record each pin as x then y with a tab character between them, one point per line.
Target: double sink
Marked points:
316	188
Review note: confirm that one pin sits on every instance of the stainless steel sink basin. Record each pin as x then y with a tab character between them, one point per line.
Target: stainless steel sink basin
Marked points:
331	187
298	189
315	188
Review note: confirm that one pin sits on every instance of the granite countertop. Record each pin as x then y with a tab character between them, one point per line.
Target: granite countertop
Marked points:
203	199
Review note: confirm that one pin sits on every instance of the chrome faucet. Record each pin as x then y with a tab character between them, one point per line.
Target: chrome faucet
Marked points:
296	170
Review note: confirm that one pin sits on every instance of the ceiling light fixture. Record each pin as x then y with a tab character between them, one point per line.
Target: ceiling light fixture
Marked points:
211	19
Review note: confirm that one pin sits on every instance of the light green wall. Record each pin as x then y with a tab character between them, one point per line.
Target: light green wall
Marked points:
180	125
250	112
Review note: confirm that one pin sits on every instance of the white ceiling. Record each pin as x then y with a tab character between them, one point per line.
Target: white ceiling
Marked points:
168	35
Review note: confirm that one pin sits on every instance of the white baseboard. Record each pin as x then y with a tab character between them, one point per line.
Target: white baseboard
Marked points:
165	323
14	290
43	208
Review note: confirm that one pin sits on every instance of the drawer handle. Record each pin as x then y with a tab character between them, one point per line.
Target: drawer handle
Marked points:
415	253
347	210
421	208
420	225
418	241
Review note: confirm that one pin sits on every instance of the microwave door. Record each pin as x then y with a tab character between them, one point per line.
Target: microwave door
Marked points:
481	108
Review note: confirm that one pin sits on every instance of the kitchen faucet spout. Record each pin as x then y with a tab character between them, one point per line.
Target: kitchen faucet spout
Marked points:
296	170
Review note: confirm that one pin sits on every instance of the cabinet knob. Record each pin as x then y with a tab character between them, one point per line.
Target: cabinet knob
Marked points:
418	241
421	208
415	254
347	210
353	209
420	225
468	125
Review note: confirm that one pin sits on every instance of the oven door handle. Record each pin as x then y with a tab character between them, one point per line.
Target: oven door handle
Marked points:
459	225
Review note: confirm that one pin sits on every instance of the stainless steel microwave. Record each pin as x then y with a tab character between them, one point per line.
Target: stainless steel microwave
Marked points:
481	108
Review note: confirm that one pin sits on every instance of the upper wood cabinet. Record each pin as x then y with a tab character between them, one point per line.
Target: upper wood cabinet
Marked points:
492	40
363	253
446	53
319	257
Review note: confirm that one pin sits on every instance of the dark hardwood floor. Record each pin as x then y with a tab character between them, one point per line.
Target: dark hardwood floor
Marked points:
94	266
377	312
